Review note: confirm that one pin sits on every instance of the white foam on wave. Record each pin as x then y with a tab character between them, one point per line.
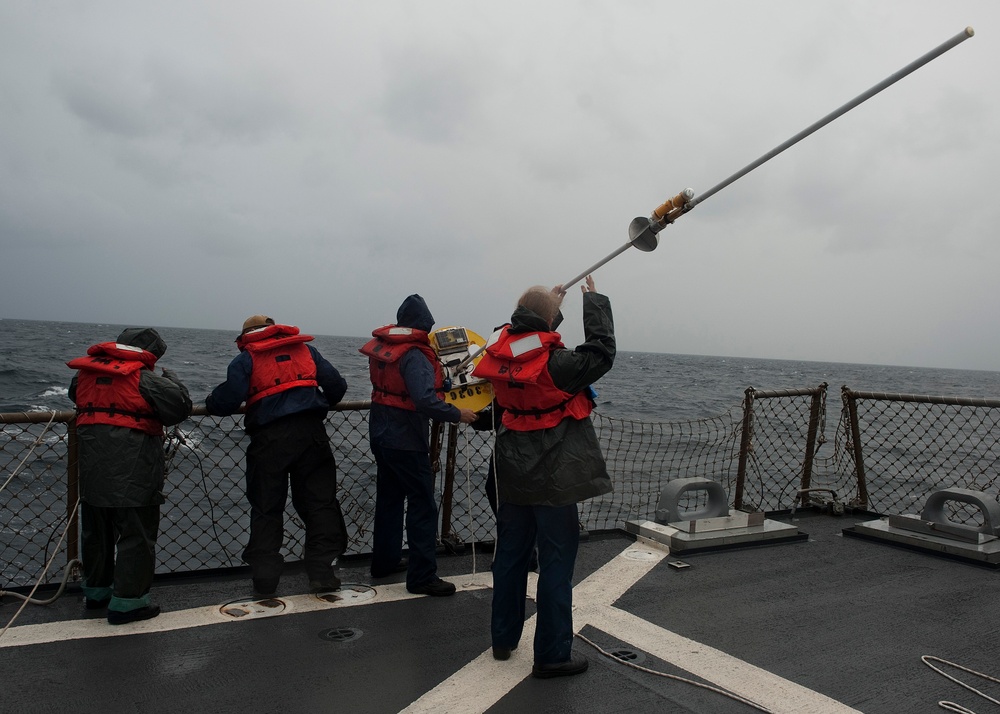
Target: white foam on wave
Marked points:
56	392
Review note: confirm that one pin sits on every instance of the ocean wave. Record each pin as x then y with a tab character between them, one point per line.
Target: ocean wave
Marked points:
37	408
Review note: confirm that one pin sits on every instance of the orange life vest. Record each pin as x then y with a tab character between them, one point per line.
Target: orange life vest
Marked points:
517	367
107	388
384	350
280	359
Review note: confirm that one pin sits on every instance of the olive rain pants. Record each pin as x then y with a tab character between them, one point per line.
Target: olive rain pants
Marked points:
119	554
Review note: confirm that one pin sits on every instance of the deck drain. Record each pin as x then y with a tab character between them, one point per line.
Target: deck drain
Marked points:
340	634
250	609
627	655
642	555
349	593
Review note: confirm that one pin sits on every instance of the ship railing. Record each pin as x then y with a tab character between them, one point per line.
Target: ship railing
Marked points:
771	452
897	448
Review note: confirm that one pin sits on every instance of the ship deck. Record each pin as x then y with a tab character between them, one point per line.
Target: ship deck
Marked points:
826	624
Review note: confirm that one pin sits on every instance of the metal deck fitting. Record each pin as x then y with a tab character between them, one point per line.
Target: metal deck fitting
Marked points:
738	530
983	550
934	532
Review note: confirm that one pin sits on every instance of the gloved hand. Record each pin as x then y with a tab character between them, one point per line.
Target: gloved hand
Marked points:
484	420
171	375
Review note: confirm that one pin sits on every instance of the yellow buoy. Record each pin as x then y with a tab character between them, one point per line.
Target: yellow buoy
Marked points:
453	346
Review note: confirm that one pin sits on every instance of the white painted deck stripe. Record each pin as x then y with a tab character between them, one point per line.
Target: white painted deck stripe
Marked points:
484	681
210	615
481	683
724	671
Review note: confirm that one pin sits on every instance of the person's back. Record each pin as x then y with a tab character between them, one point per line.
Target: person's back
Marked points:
547	460
288	388
122	407
546	406
406	393
267	375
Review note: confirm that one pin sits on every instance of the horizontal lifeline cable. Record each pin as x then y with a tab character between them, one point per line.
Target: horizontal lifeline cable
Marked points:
923	399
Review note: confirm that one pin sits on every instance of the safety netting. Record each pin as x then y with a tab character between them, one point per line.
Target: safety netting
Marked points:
771	453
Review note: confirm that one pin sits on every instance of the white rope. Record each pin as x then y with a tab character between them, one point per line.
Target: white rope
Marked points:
38	441
496	480
957	708
472	524
29	598
709	687
468	486
951	706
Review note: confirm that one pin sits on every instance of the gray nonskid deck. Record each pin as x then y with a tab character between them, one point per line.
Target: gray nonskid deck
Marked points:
839	622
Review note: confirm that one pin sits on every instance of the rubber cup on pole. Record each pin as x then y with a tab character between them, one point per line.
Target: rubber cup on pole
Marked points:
643	235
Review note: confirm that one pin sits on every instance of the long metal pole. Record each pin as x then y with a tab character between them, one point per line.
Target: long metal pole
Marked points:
642	231
596	265
892	79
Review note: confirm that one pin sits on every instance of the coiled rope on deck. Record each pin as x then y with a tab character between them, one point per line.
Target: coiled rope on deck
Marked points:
29	598
952	706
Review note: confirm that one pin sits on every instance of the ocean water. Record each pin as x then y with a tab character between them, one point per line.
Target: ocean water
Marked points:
643	385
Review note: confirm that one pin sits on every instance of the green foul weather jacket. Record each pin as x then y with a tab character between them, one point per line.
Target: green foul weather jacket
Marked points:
122	467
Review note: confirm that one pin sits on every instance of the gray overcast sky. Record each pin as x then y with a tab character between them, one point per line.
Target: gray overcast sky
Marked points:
188	164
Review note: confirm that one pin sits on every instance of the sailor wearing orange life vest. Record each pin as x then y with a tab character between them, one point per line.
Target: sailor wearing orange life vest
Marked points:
122	406
406	393
288	388
547	460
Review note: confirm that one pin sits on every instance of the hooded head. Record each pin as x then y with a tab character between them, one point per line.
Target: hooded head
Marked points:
145	338
415	313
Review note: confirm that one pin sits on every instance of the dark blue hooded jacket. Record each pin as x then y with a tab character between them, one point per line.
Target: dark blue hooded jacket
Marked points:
395	428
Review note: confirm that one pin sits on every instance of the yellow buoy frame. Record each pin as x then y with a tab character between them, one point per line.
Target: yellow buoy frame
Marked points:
453	346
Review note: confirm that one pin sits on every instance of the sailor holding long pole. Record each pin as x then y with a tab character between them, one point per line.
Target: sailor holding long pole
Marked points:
547	455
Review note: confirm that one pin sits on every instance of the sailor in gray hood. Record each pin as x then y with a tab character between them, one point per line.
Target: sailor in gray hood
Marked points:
122	407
